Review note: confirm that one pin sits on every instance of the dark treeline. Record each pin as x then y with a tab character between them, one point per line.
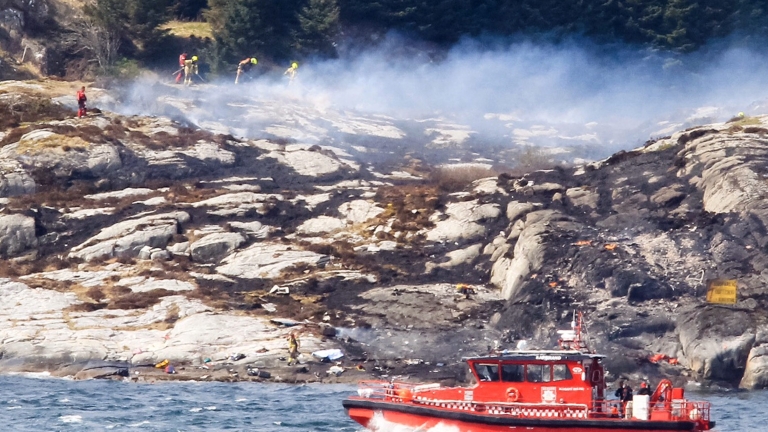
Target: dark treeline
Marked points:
292	29
674	24
310	25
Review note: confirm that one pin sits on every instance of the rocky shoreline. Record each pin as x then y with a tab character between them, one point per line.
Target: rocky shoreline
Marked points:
130	240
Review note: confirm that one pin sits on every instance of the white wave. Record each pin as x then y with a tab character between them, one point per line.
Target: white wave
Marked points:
380	424
211	408
145	422
71	419
65	400
195	409
15	407
38	375
241	400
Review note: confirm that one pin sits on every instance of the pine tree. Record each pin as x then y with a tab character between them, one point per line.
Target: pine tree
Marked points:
134	21
247	27
318	26
189	9
238	29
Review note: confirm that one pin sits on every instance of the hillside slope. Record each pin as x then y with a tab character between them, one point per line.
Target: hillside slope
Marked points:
136	239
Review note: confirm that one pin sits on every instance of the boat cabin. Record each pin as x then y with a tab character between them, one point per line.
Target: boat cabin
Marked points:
554	377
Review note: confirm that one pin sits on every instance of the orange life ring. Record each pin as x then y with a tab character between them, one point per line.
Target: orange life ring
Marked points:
513	394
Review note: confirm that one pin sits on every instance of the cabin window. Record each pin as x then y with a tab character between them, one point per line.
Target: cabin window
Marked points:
487	372
539	373
512	373
560	372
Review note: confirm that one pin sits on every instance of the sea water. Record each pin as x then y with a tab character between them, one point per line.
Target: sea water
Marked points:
47	404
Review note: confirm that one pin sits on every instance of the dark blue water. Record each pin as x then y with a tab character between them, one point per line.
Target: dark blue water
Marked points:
28	404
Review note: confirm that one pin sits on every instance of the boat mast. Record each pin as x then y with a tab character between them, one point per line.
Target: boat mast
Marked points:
572	339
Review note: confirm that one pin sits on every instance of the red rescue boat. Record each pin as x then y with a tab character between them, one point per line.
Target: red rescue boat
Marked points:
532	390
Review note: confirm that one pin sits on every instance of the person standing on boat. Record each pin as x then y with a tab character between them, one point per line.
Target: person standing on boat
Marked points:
624	393
293	349
644	390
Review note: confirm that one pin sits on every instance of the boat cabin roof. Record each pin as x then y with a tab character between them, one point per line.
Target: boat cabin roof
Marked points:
538	355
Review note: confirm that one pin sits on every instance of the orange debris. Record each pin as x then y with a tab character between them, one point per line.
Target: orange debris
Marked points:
552	284
611	246
583	243
657	358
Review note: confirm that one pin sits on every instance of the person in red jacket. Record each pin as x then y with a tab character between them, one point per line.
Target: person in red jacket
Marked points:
81	99
180	74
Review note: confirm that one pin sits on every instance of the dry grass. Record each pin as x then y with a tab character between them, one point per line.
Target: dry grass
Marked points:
690	136
65	143
143	300
96	294
756	130
53	193
745	121
410	205
30	109
186	29
532	159
457	178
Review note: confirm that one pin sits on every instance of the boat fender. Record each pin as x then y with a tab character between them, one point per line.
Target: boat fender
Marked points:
513	394
694	415
405	395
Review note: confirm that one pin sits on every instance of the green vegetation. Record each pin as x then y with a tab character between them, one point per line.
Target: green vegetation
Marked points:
223	32
136	23
186	29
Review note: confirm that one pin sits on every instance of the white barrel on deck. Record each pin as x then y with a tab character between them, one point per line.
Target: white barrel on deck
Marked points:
640	404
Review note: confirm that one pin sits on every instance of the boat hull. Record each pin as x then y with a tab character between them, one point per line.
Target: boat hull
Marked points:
422	418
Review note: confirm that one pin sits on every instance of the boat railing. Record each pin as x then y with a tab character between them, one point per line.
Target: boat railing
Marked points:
683	410
391	390
676	409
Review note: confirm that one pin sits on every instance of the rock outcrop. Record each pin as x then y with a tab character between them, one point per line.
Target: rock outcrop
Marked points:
130	240
17	234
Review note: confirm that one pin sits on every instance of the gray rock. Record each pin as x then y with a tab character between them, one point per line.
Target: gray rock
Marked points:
464	221
359	211
214	247
458	257
307	163
320	225
756	371
716	341
267	261
179	248
17	234
582	197
160	255
14	180
253	229
668	196
517	209
129	237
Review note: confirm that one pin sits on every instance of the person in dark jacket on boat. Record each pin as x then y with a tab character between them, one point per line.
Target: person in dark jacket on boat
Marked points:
624	393
644	390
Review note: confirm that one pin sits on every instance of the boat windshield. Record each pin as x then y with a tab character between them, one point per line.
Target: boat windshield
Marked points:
560	372
487	372
512	373
538	373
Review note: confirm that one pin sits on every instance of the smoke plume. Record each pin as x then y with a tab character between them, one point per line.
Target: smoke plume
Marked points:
571	93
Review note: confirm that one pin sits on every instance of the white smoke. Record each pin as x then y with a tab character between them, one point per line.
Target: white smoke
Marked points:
570	93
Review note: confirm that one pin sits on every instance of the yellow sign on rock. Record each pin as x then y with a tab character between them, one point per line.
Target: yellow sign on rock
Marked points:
722	291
